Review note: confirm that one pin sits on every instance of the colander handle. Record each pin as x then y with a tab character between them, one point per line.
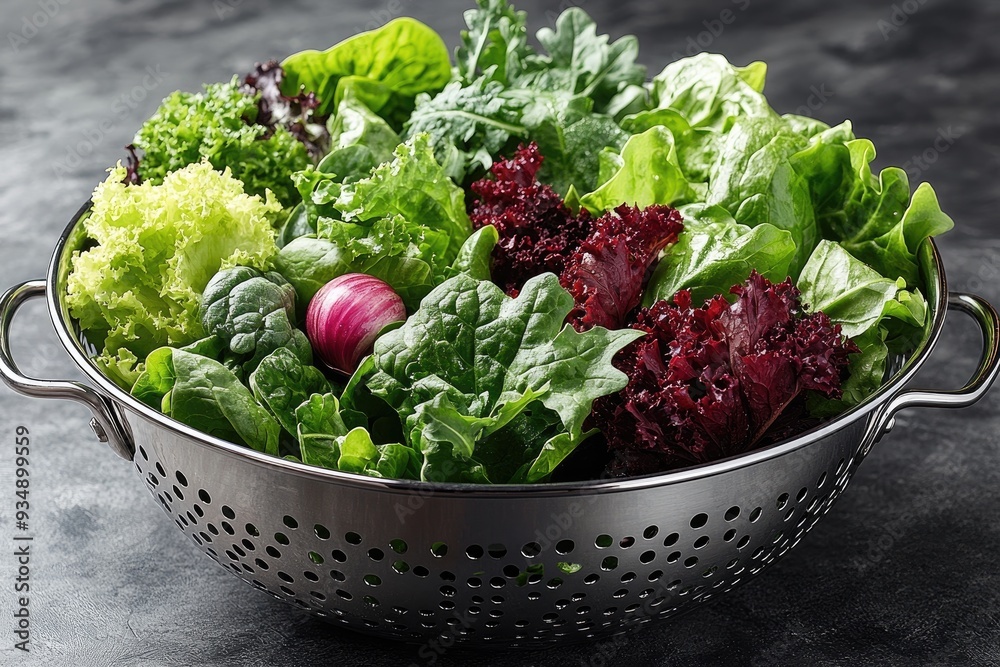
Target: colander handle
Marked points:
106	424
986	373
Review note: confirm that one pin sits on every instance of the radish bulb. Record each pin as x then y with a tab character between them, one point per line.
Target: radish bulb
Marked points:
346	315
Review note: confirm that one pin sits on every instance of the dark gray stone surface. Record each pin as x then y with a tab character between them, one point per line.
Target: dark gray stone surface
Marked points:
904	571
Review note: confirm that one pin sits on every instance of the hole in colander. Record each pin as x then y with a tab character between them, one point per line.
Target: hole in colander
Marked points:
822	480
228	512
699	520
352	538
730	534
782	501
337	575
592	579
564	547
205	498
212	529
671	539
732	513
160	471
497	582
181	478
531	549
534	595
627	577
448	591
620	593
803	492
439	549
153	481
262	564
316	594
701	542
446	605
287	578
420	571
650	532
286	590
691	562
554	583
447	576
609	563
603	541
497	551
252	530
338	555
626	542
474	582
654	575
311	576
372	580
755	515
290	522
281	539
401	567
673	556
272	552
376	554
397	545
321	531
227	527
647	557
474	552
344	595
316	558
511	571
745	540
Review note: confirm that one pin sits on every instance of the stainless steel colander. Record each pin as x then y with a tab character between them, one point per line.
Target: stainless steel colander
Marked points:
500	565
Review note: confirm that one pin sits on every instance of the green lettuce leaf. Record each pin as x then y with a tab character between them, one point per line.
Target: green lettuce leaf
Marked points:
157	246
413	186
708	91
648	173
708	259
495	44
466	364
385	68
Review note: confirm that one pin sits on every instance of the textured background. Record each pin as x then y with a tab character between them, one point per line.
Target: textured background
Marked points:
904	571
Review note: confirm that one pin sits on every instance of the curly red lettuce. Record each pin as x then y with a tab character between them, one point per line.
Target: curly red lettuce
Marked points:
607	273
537	231
299	114
710	382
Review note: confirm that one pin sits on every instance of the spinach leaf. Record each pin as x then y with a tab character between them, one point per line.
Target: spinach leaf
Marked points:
385	68
471	359
281	383
207	396
253	314
496	43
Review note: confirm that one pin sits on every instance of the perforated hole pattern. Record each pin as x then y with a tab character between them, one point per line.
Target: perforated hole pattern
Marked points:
482	569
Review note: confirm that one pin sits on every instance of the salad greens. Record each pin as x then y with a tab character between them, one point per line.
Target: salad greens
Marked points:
157	248
668	267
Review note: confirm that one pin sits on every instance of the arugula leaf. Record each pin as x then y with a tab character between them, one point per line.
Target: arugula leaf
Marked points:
496	43
467	124
205	395
583	62
649	173
385	68
471	359
708	259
